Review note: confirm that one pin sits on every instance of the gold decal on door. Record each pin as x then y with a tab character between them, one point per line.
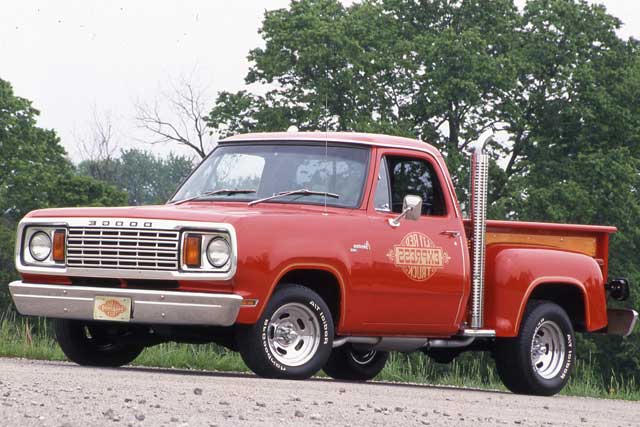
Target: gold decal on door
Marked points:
418	256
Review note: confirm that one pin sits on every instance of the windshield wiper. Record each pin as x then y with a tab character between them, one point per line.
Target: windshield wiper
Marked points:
300	192
227	191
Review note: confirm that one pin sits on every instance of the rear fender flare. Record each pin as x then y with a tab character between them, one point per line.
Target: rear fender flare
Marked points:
557	281
513	273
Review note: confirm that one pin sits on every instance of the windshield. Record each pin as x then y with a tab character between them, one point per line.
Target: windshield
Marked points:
273	168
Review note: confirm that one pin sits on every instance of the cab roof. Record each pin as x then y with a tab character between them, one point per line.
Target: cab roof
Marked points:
342	137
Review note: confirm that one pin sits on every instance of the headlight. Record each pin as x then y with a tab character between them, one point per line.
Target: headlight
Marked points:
206	252
40	246
218	252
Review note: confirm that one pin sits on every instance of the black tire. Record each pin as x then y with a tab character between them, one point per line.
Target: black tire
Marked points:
347	363
96	344
269	346
542	321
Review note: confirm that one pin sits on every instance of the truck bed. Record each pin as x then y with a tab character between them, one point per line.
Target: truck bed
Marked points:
591	240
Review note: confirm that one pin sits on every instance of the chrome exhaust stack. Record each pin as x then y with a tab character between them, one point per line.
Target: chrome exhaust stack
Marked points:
479	184
479	189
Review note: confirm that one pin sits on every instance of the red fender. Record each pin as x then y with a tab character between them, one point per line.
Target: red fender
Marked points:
513	273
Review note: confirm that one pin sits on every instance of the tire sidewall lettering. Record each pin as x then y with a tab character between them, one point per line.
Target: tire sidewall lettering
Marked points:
265	346
568	358
323	320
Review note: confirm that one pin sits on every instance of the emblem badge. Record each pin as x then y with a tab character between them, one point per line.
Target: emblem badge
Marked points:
361	247
112	308
94	222
418	256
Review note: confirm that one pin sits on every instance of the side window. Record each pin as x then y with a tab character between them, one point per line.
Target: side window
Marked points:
381	198
415	176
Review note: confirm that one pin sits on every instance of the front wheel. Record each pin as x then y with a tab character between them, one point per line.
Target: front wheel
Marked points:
96	344
348	363
540	359
293	337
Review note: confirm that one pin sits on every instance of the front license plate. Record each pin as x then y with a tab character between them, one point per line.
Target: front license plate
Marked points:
112	308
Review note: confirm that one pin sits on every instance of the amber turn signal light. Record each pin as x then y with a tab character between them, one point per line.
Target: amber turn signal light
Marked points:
249	302
59	242
192	250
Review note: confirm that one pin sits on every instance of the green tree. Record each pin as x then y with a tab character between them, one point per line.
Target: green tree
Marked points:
35	171
146	178
86	191
34	174
567	59
31	158
429	69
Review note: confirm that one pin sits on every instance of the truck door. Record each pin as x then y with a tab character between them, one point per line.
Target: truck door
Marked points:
419	267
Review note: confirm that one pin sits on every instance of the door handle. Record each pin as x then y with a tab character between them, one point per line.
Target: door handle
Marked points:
451	233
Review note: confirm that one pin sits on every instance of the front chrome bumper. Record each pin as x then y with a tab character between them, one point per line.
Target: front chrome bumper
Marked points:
621	321
148	306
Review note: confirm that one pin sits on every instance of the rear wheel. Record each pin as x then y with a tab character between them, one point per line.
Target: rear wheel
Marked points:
293	337
96	344
540	359
348	363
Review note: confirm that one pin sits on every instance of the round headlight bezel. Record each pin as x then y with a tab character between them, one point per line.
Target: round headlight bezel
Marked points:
39	234
217	240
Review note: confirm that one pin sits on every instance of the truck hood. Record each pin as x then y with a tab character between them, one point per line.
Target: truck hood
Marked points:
204	212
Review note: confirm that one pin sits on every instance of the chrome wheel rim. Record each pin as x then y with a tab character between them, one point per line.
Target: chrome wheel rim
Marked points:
363	358
548	349
293	334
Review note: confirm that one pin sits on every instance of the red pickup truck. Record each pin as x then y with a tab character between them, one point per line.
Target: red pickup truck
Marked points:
310	251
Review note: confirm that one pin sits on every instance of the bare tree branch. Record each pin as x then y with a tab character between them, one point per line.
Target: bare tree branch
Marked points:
183	122
98	146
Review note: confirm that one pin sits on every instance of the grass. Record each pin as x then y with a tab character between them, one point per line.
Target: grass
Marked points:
32	338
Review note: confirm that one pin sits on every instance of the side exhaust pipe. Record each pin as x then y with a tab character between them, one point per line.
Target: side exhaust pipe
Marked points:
403	344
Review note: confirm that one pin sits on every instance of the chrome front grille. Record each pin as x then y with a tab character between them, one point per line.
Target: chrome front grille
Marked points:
122	248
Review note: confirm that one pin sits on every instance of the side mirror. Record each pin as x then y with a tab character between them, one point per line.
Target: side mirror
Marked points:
411	209
412	205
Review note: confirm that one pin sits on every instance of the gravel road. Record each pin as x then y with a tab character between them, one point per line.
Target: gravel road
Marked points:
36	393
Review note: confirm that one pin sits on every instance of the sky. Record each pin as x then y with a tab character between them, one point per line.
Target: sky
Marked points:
79	58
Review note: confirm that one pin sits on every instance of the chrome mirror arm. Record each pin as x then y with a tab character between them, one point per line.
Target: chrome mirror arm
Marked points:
395	222
411	209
